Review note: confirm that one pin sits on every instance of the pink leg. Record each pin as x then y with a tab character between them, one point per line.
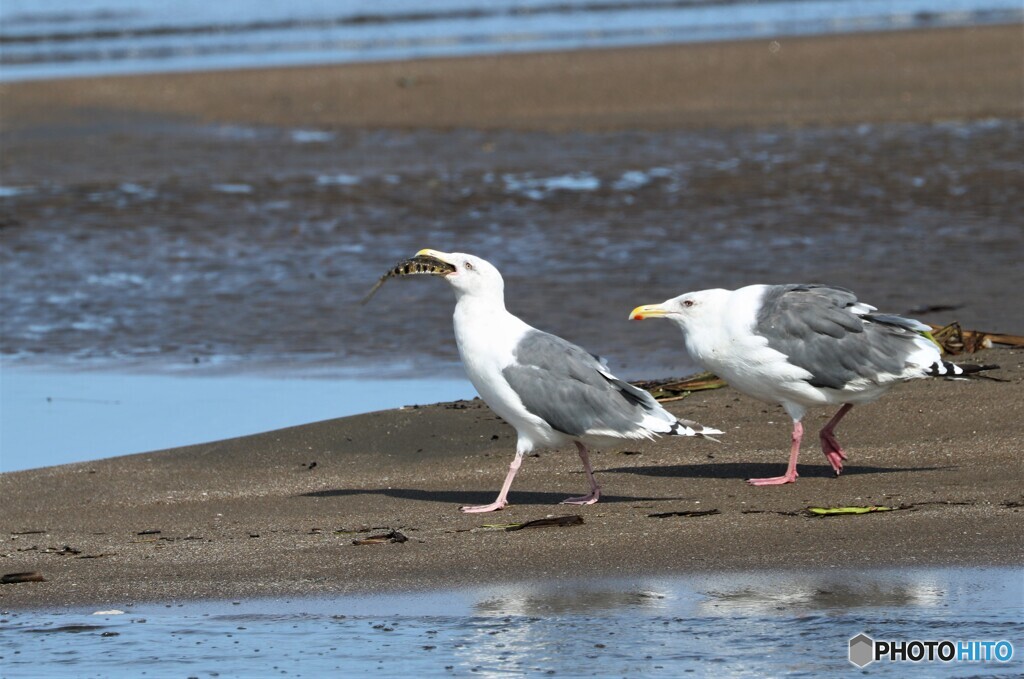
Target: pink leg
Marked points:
794	453
829	445
501	502
595	490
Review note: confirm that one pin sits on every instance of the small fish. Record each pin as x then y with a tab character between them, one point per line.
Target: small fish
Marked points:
419	264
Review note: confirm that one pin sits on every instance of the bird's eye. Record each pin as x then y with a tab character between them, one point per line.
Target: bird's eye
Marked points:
468	266
687	302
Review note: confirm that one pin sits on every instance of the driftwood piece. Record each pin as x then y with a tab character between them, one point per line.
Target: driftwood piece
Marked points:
674	388
955	340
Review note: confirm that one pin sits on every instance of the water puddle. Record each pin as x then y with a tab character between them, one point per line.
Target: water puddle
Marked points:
57	417
730	624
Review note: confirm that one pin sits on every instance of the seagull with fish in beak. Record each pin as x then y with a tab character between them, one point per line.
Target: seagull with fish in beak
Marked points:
551	391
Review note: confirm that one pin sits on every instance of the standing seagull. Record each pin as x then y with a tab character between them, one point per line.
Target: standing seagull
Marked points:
803	346
552	391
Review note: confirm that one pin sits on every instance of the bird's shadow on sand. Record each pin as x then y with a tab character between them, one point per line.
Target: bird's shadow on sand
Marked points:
747	470
475	497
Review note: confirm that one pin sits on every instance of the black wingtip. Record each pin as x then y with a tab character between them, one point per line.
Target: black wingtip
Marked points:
948	369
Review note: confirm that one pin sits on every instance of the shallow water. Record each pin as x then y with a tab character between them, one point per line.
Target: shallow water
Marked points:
56	417
730	624
227	254
163	244
62	38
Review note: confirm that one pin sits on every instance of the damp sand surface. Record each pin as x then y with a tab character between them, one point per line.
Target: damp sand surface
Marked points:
278	513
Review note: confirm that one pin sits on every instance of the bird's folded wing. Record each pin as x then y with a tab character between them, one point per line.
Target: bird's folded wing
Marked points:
573	392
832	336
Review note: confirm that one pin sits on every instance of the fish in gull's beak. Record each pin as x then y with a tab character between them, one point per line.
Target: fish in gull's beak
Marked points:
429	262
441	259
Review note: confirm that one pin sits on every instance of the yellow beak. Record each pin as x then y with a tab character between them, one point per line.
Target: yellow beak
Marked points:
436	254
647	311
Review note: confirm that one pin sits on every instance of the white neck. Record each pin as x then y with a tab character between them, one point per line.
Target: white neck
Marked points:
481	299
482	316
485	332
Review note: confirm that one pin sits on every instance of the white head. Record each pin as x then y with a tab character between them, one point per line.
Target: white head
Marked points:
473	276
690	310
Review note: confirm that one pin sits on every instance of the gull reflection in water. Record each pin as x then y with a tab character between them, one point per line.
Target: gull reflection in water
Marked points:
760	594
545	599
542	628
661	626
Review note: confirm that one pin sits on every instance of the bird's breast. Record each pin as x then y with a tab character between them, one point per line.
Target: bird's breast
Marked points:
486	343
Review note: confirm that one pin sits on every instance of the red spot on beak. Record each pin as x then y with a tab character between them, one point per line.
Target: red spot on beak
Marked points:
638	317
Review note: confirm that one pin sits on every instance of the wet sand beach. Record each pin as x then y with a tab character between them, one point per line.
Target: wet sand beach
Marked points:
276	513
899	76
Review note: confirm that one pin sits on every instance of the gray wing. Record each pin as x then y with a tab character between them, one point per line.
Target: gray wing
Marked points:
826	332
571	390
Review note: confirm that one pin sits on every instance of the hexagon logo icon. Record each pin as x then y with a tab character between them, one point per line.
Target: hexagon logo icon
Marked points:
862	650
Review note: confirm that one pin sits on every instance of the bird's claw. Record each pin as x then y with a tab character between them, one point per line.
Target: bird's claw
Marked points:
481	509
582	500
836	461
834	454
773	480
